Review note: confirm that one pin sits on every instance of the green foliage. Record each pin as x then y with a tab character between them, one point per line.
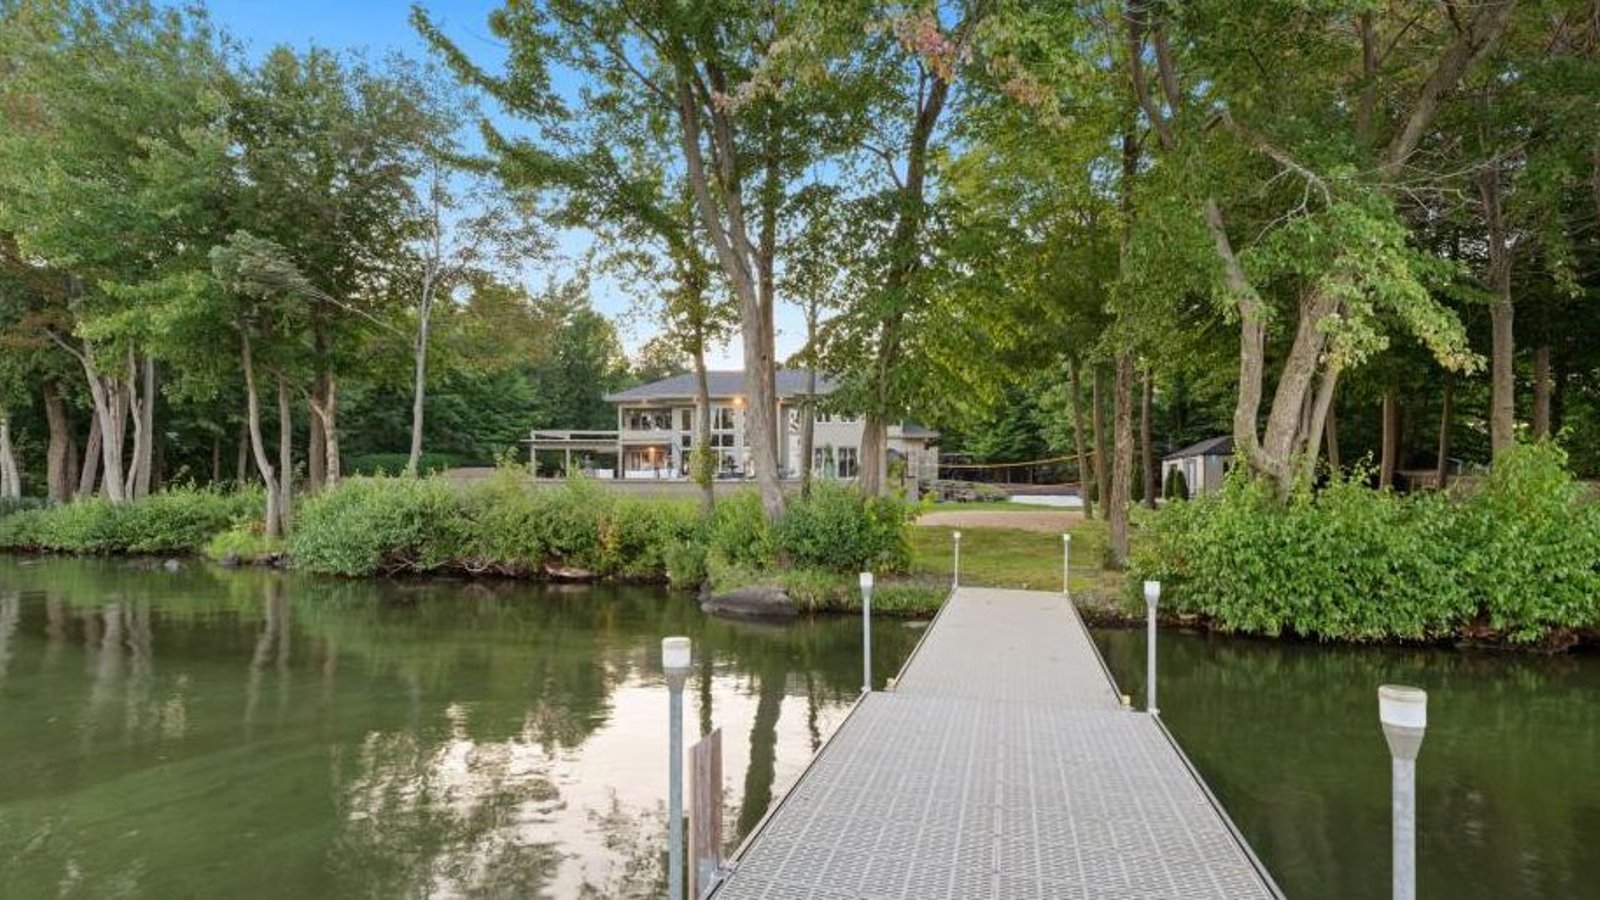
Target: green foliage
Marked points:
1514	559
395	463
503	526
1177	487
370	525
838	529
245	542
180	520
739	534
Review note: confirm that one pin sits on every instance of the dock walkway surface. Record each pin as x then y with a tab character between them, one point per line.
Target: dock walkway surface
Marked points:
1000	765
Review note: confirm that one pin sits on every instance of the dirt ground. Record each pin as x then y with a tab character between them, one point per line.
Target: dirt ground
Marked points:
1049	520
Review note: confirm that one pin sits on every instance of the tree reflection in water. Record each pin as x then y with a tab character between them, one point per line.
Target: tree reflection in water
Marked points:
248	734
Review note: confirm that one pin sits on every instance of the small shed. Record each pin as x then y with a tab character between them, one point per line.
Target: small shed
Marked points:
1204	465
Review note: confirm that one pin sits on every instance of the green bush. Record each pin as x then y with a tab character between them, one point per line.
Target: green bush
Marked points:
245	542
504	526
395	463
739	534
179	520
840	530
379	525
1514	559
1177	486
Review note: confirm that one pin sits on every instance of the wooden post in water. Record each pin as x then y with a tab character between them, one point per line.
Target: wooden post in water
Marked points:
705	814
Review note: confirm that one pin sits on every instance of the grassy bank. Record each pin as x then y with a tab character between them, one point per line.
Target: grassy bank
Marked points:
1025	560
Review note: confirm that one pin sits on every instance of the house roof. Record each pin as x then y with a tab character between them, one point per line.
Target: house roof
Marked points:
790	383
915	431
1217	446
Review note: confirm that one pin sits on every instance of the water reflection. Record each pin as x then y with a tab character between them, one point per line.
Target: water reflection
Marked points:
1288	738
247	734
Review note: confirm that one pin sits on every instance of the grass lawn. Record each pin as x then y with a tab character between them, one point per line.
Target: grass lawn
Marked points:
1012	558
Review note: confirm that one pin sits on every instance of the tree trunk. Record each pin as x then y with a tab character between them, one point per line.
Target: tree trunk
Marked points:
1390	453
730	239
144	431
703	458
1330	432
1541	392
316	442
10	473
89	472
1102	447
58	458
808	421
241	462
285	454
333	469
419	376
216	458
1147	453
269	477
111	413
1122	475
1502	369
1441	475
873	456
1076	383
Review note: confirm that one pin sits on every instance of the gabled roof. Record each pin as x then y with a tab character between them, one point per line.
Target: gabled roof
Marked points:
790	383
1217	446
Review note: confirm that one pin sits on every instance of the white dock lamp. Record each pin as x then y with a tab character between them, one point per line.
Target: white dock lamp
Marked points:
1152	597
1403	711
1066	563
955	577
676	656
866	632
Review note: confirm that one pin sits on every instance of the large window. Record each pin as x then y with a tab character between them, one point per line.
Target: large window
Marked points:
722	418
848	465
647	420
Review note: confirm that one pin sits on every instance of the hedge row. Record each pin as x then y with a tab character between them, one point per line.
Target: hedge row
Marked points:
1517	559
180	520
393	525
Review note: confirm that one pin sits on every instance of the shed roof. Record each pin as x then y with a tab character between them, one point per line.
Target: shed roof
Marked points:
1217	446
722	384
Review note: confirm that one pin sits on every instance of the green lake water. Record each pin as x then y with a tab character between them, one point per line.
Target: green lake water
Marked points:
1287	736
207	733
215	734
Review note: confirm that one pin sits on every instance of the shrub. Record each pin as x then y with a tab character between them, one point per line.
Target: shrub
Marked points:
739	534
1516	558
395	463
1177	486
178	520
686	564
388	525
244	542
504	525
840	530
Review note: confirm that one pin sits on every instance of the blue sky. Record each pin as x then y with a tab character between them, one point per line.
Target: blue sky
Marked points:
383	26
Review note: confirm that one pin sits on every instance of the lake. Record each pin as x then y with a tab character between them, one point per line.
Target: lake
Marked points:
206	733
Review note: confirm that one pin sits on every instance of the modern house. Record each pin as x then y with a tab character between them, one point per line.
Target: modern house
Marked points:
656	429
1204	465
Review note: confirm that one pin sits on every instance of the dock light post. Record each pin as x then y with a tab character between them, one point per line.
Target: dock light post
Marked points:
1152	596
955	577
1404	714
866	632
1066	563
675	658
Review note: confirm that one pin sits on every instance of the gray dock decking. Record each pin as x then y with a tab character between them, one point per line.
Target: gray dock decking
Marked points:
1002	766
